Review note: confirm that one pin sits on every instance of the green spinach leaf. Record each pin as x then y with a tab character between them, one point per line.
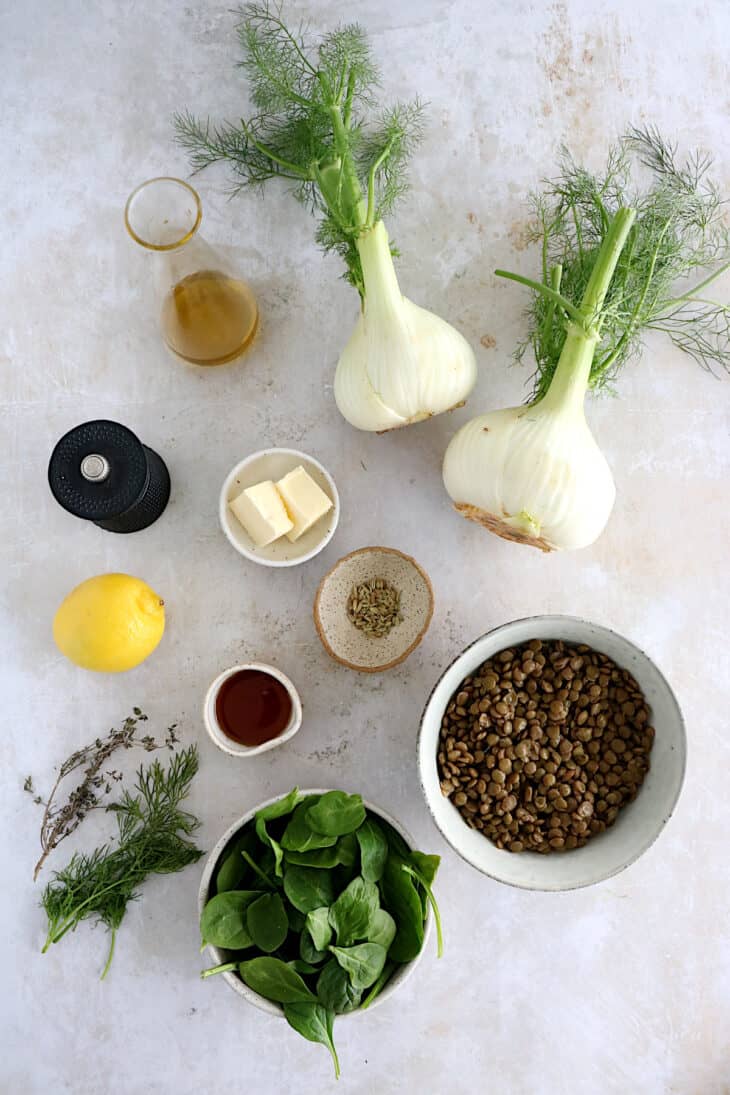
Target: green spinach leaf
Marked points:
336	814
396	843
400	897
308	888
426	865
297	919
335	990
373	850
300	966
352	912
232	870
308	952
410	870
364	962
281	807
324	858
223	922
299	836
342	852
382	928
272	978
347	850
319	927
267	922
315	1023
274	810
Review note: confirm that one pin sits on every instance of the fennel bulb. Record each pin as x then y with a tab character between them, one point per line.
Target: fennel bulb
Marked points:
402	364
535	474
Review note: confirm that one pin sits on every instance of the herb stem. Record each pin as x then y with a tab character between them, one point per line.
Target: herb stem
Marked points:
540	287
605	265
292	168
556	274
628	331
350	179
224	967
349	94
691	294
292	39
111	955
375	166
256	869
375	990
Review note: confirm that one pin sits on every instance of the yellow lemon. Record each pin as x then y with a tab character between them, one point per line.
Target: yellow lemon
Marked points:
109	623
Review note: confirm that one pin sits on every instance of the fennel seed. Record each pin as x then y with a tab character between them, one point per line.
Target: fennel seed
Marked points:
374	607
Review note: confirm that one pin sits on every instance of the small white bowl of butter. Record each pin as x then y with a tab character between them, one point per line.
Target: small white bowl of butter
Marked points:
279	507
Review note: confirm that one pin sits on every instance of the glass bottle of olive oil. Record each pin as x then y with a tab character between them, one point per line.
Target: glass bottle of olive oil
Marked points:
208	316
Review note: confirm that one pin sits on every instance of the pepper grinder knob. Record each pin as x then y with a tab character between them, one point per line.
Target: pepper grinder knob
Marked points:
94	467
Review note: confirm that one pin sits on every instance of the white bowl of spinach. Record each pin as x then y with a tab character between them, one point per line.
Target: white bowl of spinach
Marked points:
315	905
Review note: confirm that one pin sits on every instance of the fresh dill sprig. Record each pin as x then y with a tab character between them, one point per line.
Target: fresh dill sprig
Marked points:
310	129
60	820
153	838
679	231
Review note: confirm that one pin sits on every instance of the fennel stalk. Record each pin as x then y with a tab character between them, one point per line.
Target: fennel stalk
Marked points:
310	130
402	364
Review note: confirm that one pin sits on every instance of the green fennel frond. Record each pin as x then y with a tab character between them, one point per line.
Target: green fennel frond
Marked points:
312	128
273	60
385	151
679	231
345	62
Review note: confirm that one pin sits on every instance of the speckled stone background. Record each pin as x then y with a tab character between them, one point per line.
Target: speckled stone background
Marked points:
621	988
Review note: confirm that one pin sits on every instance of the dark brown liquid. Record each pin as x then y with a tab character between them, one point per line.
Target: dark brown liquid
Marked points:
252	707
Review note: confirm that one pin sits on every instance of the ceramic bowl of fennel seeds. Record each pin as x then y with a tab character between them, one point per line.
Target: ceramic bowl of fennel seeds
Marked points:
373	608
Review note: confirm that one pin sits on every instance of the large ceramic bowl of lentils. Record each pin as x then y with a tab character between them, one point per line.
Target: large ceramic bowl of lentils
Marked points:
551	753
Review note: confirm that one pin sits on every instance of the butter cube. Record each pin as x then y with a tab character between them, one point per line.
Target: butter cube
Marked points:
262	513
304	500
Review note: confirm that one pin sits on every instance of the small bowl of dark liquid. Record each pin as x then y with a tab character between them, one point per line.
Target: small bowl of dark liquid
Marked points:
251	708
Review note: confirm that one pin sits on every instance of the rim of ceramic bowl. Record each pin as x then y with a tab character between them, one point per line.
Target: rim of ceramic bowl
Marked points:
409	649
235	982
581	622
226	744
224	516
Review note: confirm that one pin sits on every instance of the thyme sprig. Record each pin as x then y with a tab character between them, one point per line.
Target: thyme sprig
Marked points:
152	838
679	231
310	128
60	820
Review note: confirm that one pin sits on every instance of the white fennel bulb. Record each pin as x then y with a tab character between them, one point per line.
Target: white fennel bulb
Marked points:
609	271
534	474
402	363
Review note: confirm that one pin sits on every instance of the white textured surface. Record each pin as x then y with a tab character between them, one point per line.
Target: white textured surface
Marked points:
621	988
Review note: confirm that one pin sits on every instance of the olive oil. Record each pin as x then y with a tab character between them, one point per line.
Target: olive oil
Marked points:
209	318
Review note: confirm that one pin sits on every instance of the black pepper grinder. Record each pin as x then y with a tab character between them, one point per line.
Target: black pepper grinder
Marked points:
100	471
